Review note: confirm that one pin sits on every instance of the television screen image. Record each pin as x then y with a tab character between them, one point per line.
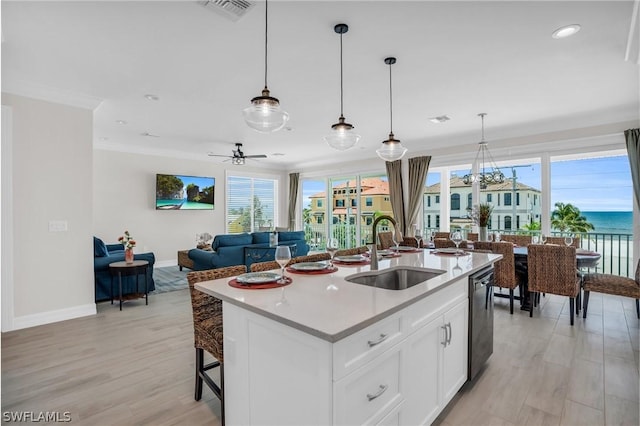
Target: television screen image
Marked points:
179	192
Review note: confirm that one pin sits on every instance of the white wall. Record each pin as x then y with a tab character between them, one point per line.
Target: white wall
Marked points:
124	198
52	272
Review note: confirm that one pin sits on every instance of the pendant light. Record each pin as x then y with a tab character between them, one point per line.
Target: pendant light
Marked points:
264	114
391	149
342	136
486	175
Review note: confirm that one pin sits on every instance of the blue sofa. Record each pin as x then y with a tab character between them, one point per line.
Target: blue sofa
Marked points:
103	255
229	249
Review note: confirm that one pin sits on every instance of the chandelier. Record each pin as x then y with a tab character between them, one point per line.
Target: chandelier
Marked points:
342	136
486	176
264	114
391	149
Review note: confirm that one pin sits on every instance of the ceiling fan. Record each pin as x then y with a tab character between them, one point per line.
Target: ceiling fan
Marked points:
238	156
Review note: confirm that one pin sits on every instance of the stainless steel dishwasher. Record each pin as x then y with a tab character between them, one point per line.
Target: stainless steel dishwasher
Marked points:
480	320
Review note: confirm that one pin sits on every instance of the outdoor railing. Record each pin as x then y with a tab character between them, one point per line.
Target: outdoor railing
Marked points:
616	249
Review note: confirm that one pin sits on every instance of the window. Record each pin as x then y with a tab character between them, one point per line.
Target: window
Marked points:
469	201
340	203
319	203
368	201
507	222
517	198
250	203
438	221
455	201
507	199
428	200
489	198
354	202
437	199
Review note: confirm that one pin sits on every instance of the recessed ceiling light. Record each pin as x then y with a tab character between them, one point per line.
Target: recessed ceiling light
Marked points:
277	154
152	97
440	119
121	122
566	31
149	135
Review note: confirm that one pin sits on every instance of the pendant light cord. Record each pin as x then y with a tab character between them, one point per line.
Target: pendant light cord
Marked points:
390	102
266	24
341	90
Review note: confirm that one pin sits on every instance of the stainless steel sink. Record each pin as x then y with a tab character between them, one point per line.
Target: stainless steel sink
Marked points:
396	278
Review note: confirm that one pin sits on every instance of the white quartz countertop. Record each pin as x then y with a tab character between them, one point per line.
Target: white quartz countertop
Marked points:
328	307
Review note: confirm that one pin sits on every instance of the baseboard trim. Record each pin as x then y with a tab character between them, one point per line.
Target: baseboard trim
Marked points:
42	318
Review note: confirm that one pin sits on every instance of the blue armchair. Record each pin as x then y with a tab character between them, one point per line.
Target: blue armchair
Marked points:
103	255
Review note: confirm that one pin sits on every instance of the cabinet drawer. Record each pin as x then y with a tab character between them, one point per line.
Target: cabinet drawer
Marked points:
359	348
369	393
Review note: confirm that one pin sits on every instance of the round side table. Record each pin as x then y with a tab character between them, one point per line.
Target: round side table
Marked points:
124	269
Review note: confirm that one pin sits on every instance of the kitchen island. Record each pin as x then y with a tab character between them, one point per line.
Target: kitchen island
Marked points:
324	350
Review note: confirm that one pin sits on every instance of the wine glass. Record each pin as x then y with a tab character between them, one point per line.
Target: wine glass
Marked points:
397	238
417	234
496	237
332	247
283	256
543	238
456	238
535	239
568	239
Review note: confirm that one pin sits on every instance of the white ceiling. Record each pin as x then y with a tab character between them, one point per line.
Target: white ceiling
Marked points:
455	58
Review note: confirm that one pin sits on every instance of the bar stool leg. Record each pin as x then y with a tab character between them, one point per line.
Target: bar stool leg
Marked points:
120	288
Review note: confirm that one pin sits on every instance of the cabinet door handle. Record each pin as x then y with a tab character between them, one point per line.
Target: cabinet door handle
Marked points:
381	339
450	334
444	327
381	390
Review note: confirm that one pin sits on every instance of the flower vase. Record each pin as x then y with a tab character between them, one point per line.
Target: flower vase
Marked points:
128	255
483	233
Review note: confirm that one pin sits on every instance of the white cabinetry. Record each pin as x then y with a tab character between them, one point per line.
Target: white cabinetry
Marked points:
401	370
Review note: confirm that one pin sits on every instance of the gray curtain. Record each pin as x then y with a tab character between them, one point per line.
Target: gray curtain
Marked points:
294	181
418	168
633	149
394	174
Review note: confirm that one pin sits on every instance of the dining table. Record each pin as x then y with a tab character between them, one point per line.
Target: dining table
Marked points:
585	259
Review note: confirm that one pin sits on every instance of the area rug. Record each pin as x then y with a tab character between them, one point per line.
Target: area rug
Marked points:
169	278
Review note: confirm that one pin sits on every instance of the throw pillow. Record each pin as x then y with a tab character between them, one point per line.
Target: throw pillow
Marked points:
99	248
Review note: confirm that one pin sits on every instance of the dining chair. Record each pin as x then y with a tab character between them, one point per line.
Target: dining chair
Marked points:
441	235
519	240
560	241
482	245
352	251
208	330
612	284
317	257
472	236
505	271
385	240
265	266
553	269
447	243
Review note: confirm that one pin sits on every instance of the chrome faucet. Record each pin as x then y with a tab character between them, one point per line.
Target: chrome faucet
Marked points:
374	245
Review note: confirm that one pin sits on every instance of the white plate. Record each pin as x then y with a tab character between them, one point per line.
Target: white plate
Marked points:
258	277
448	250
310	266
405	248
354	258
385	252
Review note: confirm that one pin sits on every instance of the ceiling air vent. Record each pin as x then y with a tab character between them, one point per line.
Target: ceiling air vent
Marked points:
231	9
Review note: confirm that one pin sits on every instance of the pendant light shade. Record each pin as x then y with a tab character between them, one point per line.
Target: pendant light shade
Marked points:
342	136
264	114
392	148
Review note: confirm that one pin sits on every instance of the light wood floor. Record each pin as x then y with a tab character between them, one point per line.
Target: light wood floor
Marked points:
136	367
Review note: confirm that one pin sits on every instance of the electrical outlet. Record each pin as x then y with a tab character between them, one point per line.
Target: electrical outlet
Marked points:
58	226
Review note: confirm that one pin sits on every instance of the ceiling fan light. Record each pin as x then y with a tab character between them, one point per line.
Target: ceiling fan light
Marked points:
391	149
342	136
237	161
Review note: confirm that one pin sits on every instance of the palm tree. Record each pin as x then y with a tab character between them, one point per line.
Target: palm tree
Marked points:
567	217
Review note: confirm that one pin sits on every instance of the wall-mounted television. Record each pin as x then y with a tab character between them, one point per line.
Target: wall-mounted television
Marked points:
180	192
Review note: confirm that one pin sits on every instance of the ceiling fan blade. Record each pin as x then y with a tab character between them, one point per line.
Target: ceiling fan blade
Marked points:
218	155
255	156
